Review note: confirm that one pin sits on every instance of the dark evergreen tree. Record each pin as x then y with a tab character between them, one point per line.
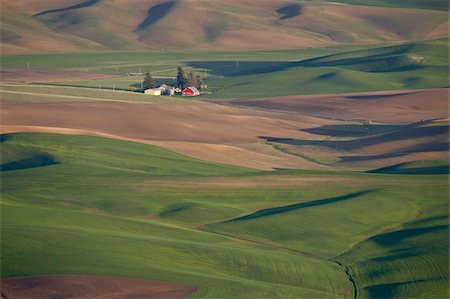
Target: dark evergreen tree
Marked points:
148	81
181	78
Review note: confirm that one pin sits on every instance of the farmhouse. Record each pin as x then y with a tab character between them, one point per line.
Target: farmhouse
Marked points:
190	91
167	89
153	91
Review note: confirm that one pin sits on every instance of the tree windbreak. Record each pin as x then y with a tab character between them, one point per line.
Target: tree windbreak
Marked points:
195	80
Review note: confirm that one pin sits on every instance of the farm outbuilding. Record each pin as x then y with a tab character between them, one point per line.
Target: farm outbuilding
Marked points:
153	91
190	91
167	89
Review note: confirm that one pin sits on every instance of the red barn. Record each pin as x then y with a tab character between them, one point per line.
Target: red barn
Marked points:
190	91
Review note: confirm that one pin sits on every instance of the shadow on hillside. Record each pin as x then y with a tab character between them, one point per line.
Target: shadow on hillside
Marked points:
284	209
379	96
240	68
388	59
409	132
350	130
397	254
33	162
289	11
395	237
390	290
84	4
155	13
400	169
408	240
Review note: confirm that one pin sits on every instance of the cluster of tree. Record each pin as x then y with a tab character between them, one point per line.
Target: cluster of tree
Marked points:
195	80
191	80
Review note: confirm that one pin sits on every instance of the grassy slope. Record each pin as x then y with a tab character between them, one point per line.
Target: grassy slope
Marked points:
398	261
106	62
157	63
381	68
140	209
394	265
263	74
105	229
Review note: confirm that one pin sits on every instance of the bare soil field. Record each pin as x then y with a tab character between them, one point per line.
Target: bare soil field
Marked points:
389	106
351	131
35	6
13	75
440	30
78	286
204	131
165	122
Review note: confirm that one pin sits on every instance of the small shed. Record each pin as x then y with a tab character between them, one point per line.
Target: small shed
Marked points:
153	91
190	91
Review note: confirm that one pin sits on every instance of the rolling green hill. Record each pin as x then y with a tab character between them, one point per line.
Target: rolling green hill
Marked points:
73	204
408	66
416	65
89	205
